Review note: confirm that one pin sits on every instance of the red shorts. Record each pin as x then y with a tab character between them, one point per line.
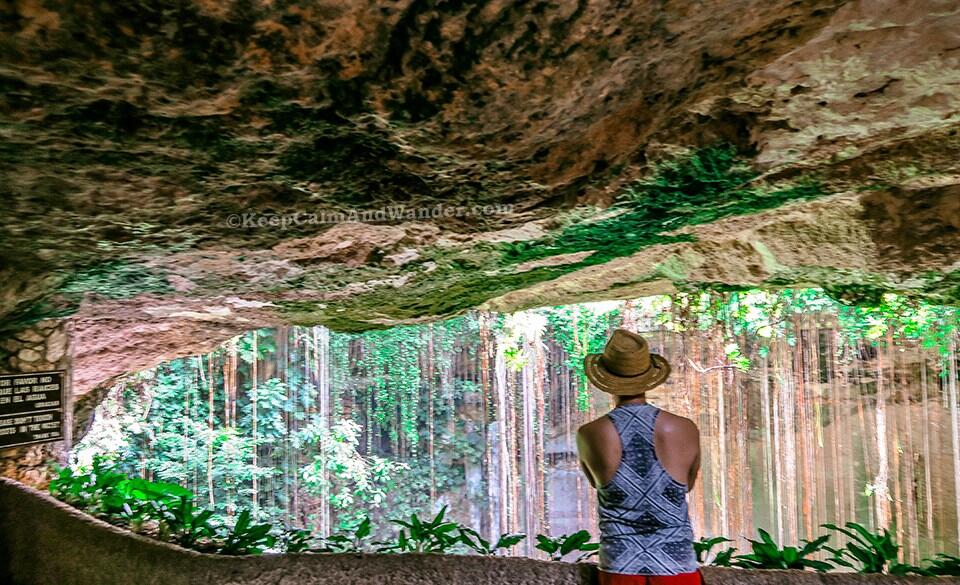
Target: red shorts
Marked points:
693	578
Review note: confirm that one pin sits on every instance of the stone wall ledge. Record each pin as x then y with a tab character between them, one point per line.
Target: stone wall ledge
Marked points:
46	542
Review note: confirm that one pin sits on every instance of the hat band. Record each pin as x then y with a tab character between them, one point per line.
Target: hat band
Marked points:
604	363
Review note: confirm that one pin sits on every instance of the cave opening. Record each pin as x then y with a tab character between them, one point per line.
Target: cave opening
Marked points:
812	410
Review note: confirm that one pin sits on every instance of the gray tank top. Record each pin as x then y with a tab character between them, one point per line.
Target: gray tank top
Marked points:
644	522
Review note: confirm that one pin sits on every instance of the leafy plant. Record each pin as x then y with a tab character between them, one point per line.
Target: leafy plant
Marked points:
560	546
180	521
296	540
247	538
99	490
419	536
944	565
338	543
705	545
766	554
724	558
868	552
472	539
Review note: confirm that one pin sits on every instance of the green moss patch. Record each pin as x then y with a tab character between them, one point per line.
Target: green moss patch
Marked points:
116	279
702	187
699	188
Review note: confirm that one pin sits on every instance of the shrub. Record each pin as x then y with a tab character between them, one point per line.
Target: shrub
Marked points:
296	540
869	552
705	545
247	538
767	554
418	536
944	565
561	546
339	543
472	539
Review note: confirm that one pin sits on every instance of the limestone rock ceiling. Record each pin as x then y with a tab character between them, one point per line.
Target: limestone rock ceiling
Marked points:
135	133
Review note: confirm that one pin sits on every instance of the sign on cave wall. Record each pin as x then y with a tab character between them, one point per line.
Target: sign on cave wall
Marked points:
31	408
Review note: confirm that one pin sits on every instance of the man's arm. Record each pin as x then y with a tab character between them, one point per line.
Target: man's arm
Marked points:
586	453
599	447
586	472
695	468
678	447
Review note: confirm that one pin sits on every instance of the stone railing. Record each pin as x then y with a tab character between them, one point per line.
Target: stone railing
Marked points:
46	542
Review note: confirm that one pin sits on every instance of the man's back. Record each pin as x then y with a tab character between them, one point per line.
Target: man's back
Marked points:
642	461
676	438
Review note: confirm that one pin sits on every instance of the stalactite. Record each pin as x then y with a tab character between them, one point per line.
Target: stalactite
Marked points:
539	373
910	484
210	495
483	319
505	447
954	425
882	479
721	459
768	454
254	403
927	460
799	375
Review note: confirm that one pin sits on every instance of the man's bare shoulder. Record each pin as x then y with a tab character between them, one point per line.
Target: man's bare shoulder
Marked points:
676	425
596	428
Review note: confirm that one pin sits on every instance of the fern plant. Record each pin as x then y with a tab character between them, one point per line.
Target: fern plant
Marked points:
869	552
354	542
98	490
472	539
705	545
944	565
247	538
181	522
296	540
416	535
767	554
560	546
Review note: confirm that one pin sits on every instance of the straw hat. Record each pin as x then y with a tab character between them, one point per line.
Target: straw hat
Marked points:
626	367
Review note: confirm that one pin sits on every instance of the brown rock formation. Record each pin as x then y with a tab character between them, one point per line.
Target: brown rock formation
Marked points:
177	171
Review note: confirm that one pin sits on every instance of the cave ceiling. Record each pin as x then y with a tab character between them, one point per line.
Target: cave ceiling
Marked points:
174	172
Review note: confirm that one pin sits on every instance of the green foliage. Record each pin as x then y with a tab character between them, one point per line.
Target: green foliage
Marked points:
351	478
99	490
943	565
416	535
348	541
767	554
296	540
868	552
560	546
180	521
472	539
247	538
581	330
704	546
132	501
115	279
701	187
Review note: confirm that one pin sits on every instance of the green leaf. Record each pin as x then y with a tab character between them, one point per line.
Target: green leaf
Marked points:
574	542
363	530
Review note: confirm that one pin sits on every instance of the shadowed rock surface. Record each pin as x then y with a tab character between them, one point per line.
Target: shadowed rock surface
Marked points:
134	133
45	542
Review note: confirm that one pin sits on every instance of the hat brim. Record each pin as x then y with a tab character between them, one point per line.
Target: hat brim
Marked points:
610	383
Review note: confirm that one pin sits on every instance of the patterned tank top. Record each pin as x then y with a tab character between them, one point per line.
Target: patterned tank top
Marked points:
644	522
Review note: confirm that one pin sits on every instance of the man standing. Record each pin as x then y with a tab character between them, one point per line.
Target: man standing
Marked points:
642	461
